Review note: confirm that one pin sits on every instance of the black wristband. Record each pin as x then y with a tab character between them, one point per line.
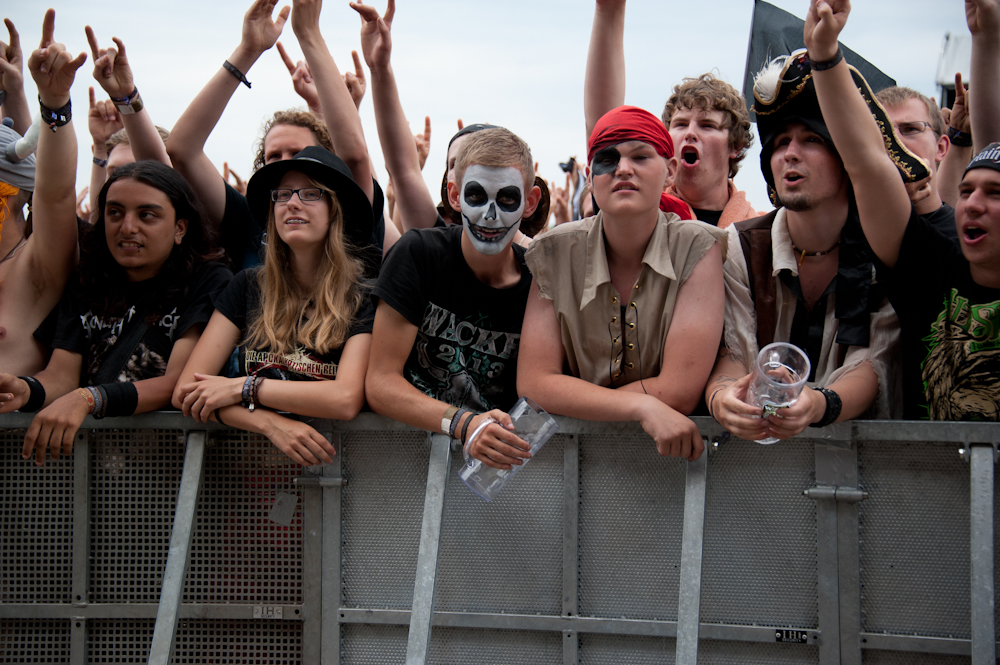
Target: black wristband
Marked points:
833	408
959	138
219	417
465	427
827	64
240	76
103	163
36	394
120	399
58	117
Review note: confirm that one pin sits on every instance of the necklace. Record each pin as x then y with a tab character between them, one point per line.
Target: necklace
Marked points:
803	253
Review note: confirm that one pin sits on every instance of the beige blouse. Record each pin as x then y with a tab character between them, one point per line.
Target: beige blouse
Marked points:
612	339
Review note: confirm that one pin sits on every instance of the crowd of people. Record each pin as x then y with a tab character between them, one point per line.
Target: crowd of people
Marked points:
643	290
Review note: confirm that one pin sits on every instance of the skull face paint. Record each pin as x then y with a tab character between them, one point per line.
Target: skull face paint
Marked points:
492	201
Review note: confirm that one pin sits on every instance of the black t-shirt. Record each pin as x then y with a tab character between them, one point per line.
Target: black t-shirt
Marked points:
950	330
943	219
708	216
244	239
242	299
468	333
94	334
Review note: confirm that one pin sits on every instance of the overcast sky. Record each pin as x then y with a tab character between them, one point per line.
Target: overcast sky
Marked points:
518	63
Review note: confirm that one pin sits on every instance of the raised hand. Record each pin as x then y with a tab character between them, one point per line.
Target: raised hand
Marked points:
959	118
825	20
560	202
52	67
259	30
103	120
305	18
376	40
239	184
111	68
83	203
11	61
423	142
355	81
302	80
983	17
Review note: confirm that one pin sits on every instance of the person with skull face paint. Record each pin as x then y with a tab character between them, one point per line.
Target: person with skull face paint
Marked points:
447	327
630	301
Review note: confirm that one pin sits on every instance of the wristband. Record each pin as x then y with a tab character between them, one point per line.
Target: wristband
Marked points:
219	418
56	117
465	427
247	389
129	105
959	138
36	395
257	380
711	402
240	76
827	64
87	396
833	408
120	399
97	410
475	433
455	421
103	163
446	421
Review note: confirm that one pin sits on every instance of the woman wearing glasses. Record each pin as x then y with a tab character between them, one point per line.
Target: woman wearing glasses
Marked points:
302	317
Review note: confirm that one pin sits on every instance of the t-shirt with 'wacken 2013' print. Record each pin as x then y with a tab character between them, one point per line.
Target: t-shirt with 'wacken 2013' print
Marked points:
950	328
468	333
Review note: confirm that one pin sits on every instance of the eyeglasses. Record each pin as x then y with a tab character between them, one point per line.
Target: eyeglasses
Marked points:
305	194
912	128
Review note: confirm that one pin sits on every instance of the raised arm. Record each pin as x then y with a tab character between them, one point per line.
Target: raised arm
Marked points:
339	111
186	145
604	82
113	72
953	165
983	17
415	208
52	246
15	104
883	204
103	120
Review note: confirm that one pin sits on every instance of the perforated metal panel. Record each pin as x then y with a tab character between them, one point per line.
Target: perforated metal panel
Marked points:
631	519
134	478
505	555
878	657
914	539
488	647
759	564
373	645
382	508
34	641
238	555
115	641
36	526
222	642
626	650
756	653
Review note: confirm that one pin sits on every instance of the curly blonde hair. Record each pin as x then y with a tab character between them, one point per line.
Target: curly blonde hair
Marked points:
295	118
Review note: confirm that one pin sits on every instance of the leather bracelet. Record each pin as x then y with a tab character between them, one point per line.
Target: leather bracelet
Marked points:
219	418
827	64
240	76
833	408
465	427
453	425
959	138
55	118
36	395
103	163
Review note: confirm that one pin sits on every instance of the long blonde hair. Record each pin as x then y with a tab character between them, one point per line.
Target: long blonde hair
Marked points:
280	324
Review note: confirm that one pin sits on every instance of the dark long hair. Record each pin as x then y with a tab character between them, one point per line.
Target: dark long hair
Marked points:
102	278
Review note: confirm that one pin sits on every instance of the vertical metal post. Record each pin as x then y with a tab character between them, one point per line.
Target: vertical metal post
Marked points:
162	647
689	593
827	571
331	557
81	544
982	460
422	611
312	565
571	545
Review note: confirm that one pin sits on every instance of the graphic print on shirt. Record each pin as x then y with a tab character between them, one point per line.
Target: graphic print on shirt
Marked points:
300	365
460	362
104	333
961	372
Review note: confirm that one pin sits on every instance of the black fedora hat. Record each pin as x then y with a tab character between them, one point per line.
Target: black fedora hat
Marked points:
325	167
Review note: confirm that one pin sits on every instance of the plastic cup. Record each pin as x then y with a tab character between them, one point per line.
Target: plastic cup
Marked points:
780	373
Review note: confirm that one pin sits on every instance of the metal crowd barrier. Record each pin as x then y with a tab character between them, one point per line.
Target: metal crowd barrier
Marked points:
160	540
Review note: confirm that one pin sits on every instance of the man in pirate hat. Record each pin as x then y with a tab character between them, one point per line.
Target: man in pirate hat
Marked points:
803	273
947	297
37	254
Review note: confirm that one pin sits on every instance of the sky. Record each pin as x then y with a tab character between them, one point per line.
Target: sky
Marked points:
516	63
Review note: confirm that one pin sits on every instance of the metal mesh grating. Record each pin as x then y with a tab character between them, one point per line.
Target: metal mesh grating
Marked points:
242	642
756	653
626	650
631	518
759	563
382	508
373	645
238	555
485	646
878	657
505	555
36	526
114	641
134	479
34	641
914	539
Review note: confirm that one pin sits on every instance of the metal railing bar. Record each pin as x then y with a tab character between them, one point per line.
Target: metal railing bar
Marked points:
689	594
143	611
982	461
